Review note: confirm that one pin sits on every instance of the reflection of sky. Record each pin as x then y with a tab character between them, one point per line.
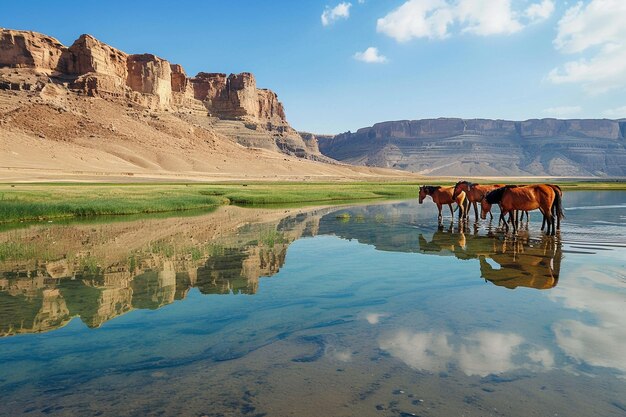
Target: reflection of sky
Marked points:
601	295
586	326
481	353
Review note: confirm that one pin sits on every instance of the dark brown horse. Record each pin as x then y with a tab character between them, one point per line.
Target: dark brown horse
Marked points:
474	193
544	197
443	195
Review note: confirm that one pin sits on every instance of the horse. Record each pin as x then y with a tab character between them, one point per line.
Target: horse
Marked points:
443	195
474	193
544	197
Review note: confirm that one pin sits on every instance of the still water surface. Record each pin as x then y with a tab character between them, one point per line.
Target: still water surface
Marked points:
366	310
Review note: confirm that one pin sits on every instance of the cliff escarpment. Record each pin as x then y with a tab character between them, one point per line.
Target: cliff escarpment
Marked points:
228	105
483	147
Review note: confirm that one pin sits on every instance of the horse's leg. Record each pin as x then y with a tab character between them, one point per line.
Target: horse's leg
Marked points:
440	217
515	221
502	214
475	211
452	211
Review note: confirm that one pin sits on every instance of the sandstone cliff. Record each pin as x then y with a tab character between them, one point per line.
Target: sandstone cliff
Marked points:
478	147
30	61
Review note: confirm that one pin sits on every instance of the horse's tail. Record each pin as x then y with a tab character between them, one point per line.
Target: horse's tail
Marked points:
558	204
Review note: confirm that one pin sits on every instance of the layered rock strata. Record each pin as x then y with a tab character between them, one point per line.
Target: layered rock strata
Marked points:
479	147
30	61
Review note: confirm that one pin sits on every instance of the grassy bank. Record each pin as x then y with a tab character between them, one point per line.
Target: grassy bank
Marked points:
46	201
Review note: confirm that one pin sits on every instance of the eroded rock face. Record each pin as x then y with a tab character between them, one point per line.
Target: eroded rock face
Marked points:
479	147
94	68
22	49
87	54
149	74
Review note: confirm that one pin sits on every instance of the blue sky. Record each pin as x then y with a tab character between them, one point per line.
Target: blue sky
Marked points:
510	59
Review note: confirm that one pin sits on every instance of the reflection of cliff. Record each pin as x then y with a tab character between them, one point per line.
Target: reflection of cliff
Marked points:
223	253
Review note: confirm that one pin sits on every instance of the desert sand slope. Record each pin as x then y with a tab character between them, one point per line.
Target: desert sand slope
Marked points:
56	135
93	112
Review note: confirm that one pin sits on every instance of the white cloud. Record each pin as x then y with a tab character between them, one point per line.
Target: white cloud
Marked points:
417	19
597	32
433	19
540	11
371	56
562	111
332	14
616	113
487	17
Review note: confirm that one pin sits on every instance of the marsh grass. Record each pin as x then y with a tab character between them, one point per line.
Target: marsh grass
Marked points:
23	202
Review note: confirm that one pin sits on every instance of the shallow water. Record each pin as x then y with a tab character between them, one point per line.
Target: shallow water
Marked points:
367	310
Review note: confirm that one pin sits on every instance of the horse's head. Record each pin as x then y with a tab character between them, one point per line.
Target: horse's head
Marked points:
423	194
485	207
460	186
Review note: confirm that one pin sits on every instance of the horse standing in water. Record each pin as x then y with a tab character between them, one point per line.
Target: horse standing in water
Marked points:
474	193
443	195
544	197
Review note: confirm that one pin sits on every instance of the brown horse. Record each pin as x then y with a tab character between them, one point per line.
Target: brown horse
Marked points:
544	197
474	193
443	195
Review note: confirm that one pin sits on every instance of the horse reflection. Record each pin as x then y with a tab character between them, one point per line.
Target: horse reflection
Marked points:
509	263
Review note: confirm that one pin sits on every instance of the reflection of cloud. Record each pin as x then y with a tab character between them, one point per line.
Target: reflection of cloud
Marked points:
343	355
427	351
374	318
602	295
481	353
488	353
597	346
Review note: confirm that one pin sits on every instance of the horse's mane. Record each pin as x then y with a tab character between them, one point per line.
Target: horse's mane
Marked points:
469	184
495	196
431	188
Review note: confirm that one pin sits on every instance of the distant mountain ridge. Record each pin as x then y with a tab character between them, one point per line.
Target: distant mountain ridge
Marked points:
485	147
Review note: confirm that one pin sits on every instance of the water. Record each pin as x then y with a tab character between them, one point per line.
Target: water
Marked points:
369	310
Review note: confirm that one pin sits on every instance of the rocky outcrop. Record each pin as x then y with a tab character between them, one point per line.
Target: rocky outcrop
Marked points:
94	68
479	147
22	49
151	76
236	96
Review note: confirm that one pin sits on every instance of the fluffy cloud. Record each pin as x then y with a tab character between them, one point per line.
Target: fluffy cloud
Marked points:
540	11
417	19
332	14
433	19
562	111
371	56
487	17
597	33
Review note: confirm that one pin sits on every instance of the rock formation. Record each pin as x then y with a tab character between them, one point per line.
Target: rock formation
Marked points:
30	61
479	147
21	49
